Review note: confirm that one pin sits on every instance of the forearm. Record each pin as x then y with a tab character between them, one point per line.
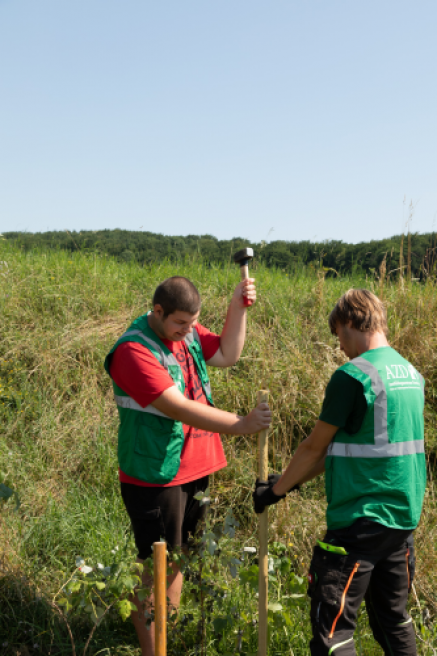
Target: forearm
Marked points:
192	413
309	459
318	469
234	333
207	418
305	465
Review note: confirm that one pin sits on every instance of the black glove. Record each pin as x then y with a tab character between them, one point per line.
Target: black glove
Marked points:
263	494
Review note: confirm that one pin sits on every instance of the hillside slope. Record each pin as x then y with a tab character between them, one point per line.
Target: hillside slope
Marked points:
60	313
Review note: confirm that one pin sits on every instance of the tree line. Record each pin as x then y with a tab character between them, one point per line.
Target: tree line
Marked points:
414	254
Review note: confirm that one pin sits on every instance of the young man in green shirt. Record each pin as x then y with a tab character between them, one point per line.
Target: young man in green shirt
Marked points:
369	441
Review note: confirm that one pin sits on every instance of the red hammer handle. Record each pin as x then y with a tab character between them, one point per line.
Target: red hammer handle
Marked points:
244	270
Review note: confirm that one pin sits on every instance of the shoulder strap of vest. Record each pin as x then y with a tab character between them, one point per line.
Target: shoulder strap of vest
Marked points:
158	348
192	337
164	358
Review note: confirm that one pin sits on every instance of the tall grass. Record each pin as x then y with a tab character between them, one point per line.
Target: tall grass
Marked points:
60	314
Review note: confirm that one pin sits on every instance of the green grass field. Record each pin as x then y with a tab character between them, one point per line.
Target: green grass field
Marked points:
59	316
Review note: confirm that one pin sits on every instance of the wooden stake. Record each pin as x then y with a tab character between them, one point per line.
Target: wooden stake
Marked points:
160	593
263	397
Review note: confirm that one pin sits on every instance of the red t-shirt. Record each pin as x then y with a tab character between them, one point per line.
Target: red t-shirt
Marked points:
136	370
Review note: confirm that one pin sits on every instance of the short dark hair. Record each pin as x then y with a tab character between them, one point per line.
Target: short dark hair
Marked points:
177	293
359	306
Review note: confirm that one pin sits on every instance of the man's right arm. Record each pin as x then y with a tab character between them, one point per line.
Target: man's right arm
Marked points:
136	371
174	404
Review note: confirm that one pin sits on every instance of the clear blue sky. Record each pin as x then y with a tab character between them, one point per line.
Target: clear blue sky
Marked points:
227	117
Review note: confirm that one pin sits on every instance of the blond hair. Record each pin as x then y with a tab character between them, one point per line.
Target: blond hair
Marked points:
363	309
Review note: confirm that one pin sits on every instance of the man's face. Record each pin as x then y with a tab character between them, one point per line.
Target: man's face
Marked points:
346	337
176	326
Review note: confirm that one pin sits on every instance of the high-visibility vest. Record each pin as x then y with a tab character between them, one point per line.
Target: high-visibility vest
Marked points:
380	471
149	442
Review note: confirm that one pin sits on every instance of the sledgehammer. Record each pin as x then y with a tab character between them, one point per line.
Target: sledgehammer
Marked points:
242	258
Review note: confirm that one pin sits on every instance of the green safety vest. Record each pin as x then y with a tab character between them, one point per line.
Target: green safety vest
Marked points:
380	472
149	442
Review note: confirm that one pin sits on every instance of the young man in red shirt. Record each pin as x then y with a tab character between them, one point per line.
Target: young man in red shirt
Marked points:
169	438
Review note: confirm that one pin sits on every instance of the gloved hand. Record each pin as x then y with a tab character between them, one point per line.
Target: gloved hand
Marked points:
263	494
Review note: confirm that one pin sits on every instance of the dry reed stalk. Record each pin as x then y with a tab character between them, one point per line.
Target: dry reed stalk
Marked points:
382	276
401	263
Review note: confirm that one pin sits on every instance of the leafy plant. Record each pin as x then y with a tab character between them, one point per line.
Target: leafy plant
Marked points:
6	493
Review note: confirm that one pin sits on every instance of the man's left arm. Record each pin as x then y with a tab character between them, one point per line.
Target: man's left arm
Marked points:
234	331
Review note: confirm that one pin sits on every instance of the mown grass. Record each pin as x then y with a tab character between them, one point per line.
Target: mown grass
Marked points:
59	315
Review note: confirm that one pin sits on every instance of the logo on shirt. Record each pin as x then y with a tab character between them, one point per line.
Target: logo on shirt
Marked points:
400	371
402	377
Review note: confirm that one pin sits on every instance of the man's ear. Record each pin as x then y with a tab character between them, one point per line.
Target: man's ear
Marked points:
158	311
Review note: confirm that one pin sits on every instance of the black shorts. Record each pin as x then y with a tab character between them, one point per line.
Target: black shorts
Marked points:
171	513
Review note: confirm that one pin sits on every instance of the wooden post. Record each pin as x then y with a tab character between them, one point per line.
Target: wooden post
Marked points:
160	593
263	600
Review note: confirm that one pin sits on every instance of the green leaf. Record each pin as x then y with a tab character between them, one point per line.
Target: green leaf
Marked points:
236	561
250	576
142	594
124	608
129	583
74	586
275	607
97	614
5	492
278	547
221	624
210	542
287	619
100	585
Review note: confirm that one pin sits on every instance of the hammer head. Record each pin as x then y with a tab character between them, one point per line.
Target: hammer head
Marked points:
243	256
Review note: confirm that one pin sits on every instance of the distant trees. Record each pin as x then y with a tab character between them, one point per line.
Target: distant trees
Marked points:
414	252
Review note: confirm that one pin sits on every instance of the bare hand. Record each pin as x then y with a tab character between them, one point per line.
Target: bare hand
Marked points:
258	419
246	288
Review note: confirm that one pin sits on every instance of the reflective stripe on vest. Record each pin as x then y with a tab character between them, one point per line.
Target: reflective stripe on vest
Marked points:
130	403
382	447
166	360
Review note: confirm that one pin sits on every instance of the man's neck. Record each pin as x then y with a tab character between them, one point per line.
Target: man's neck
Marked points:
369	341
154	325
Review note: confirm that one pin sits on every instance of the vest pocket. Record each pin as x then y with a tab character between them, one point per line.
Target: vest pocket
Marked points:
157	448
153	435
